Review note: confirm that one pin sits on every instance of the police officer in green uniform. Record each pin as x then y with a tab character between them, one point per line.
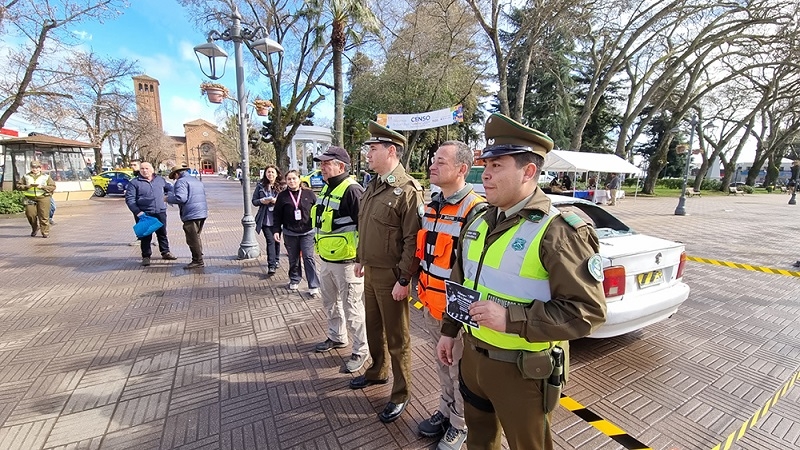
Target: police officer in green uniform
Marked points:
388	221
539	276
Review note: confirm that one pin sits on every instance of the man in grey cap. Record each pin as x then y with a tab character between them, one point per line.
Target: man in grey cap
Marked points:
335	222
538	275
389	220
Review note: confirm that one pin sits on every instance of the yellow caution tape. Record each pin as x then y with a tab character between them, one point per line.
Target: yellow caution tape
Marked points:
733	265
750	423
605	427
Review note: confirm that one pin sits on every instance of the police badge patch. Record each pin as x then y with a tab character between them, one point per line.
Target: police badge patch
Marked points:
595	266
518	244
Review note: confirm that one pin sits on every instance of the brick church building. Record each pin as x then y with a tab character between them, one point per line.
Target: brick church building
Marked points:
198	146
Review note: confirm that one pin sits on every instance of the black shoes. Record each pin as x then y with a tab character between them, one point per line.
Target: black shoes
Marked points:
392	411
360	382
168	256
271	271
194	265
796	263
145	261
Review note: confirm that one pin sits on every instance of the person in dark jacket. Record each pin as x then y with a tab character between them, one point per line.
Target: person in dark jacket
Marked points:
293	217
145	194
190	196
264	197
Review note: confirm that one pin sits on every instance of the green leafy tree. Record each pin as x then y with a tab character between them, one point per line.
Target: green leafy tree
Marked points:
350	19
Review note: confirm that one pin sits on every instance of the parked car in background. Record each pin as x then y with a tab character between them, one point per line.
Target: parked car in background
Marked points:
313	180
111	182
643	275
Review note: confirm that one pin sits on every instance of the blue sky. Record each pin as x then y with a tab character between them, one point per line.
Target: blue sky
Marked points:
160	36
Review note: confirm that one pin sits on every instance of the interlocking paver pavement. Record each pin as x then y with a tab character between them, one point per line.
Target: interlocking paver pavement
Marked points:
99	352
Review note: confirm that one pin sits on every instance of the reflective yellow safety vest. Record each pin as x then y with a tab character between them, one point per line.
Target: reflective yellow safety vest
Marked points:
436	249
36	191
507	272
336	237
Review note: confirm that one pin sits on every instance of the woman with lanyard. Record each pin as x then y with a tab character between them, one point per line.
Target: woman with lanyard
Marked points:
293	216
264	197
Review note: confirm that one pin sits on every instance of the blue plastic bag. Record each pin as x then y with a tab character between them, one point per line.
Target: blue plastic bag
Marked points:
146	226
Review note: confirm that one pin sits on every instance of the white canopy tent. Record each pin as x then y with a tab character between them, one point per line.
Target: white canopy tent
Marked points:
567	161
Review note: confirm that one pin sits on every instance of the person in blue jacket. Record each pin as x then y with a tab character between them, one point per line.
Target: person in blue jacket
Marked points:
190	196
145	194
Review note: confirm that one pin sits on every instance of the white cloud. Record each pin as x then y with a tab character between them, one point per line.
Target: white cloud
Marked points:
186	50
177	110
83	35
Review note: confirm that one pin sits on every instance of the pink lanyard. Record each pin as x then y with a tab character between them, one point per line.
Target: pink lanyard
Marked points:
296	202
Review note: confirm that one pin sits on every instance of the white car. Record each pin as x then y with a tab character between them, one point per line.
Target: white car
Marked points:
643	274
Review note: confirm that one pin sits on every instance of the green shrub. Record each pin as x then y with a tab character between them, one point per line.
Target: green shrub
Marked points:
11	202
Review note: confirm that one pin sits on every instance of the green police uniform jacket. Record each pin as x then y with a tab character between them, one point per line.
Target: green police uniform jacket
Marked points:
576	305
45	185
388	221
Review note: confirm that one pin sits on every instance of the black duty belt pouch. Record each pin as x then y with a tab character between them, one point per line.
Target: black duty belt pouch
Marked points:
535	365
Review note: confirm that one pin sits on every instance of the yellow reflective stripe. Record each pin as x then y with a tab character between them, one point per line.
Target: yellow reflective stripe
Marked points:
494	258
532	264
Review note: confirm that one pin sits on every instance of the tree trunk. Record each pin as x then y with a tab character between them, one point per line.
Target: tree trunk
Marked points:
338	41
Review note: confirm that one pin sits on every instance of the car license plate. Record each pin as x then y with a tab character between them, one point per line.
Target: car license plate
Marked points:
650	278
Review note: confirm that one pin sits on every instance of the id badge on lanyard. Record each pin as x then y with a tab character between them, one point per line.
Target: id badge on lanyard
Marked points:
297	215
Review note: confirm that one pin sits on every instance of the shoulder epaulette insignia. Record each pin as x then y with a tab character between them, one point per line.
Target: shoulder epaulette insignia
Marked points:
573	219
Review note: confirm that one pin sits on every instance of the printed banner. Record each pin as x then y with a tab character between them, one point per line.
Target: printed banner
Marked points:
422	121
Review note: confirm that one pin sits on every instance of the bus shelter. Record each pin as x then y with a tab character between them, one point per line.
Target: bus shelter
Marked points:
62	158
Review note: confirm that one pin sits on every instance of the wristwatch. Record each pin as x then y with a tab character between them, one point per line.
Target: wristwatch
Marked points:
402	281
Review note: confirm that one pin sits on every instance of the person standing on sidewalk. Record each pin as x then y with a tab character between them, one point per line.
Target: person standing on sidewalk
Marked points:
37	187
145	194
335	222
539	276
437	243
613	187
293	217
264	197
190	196
389	219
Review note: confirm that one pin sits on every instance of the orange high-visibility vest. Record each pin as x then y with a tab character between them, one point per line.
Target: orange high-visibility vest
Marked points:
436	245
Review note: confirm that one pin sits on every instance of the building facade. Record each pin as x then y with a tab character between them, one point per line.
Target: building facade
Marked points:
198	147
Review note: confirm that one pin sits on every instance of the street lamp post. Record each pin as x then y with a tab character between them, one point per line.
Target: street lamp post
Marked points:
248	248
681	209
199	164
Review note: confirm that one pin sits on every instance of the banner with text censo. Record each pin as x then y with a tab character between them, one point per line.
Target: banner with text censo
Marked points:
422	121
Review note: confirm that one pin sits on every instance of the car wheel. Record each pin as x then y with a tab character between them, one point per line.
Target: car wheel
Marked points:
98	191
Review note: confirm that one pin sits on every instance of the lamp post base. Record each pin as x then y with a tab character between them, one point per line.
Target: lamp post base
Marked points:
681	209
249	249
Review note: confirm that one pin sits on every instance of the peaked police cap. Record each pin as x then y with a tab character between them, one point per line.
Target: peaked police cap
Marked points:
381	134
505	136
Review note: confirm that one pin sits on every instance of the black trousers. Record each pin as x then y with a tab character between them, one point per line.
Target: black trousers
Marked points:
192	229
161	234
